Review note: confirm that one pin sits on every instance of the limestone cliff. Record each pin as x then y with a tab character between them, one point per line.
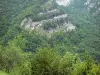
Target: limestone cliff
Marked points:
54	20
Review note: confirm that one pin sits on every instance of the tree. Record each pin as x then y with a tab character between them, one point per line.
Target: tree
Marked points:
3	26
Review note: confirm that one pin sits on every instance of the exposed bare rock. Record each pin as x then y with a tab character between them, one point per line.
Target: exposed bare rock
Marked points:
70	27
27	22
63	2
23	21
34	25
93	4
58	19
53	11
64	26
50	13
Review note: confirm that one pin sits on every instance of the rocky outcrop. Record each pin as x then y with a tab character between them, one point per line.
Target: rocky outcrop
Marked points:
61	21
27	23
93	4
63	2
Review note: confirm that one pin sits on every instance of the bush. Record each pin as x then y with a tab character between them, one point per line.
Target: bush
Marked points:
49	24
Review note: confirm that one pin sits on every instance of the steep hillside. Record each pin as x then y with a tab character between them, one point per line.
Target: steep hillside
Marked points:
49	37
50	21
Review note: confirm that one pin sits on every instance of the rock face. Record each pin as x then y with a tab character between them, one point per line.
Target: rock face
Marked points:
29	24
63	2
93	4
59	20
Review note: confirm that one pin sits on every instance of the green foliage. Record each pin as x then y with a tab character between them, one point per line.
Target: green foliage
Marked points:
34	41
31	53
87	35
83	69
48	62
3	26
3	73
12	54
49	24
11	34
66	63
45	62
23	69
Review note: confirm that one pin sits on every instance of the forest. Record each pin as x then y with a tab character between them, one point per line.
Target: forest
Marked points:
41	37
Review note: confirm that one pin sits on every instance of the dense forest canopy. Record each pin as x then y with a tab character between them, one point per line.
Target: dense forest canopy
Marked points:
49	37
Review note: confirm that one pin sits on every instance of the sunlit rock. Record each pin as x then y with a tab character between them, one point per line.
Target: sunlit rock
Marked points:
60	16
61	20
63	2
53	17
70	27
23	21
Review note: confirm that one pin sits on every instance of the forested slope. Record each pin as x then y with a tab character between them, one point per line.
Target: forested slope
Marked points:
43	37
